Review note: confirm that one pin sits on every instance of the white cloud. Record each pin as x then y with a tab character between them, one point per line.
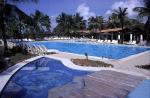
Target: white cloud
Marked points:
108	12
130	4
84	11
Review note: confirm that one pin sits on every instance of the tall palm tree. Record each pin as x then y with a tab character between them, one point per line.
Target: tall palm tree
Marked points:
99	21
92	24
65	23
79	23
41	22
3	10
113	21
61	20
121	13
145	12
95	23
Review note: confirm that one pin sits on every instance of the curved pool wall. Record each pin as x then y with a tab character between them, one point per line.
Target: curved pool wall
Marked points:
36	78
98	50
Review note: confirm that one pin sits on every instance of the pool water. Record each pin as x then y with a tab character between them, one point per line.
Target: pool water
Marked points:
141	91
98	50
35	79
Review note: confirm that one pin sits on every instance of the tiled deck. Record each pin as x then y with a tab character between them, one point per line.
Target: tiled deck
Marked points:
103	84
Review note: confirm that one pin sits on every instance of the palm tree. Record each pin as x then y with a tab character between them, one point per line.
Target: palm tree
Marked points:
99	21
95	23
61	20
145	11
6	8
41	22
113	21
121	13
79	23
92	24
65	23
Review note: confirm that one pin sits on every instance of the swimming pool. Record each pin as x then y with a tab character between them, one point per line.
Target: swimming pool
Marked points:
36	78
98	50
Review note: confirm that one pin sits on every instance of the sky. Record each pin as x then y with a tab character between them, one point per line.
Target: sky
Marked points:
85	8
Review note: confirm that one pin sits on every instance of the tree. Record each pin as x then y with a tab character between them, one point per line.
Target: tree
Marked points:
65	23
121	13
132	23
6	8
145	12
99	22
61	20
113	21
69	24
41	22
91	23
95	23
79	23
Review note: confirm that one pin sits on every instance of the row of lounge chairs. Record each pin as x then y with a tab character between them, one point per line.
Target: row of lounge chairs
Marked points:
56	38
108	41
142	43
38	49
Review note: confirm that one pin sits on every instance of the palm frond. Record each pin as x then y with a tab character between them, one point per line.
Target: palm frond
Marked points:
143	11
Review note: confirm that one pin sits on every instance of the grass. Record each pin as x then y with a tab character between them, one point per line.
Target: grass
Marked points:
90	63
16	58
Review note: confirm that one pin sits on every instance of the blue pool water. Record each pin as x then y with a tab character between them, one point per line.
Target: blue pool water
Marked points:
141	91
36	78
98	50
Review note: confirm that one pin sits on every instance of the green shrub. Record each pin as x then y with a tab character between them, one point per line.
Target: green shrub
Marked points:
19	49
2	63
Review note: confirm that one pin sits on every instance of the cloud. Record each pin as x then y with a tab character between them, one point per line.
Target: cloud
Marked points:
108	12
130	4
84	11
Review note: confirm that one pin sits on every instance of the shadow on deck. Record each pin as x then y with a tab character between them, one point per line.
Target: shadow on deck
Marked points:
103	84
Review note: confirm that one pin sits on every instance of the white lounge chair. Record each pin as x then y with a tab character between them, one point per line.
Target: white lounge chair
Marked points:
108	41
48	50
41	50
105	41
100	41
36	50
131	43
114	42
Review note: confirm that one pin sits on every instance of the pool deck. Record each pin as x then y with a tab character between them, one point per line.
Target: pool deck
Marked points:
122	66
125	65
103	84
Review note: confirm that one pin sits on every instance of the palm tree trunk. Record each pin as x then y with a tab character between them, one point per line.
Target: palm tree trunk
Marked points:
2	25
122	27
20	30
